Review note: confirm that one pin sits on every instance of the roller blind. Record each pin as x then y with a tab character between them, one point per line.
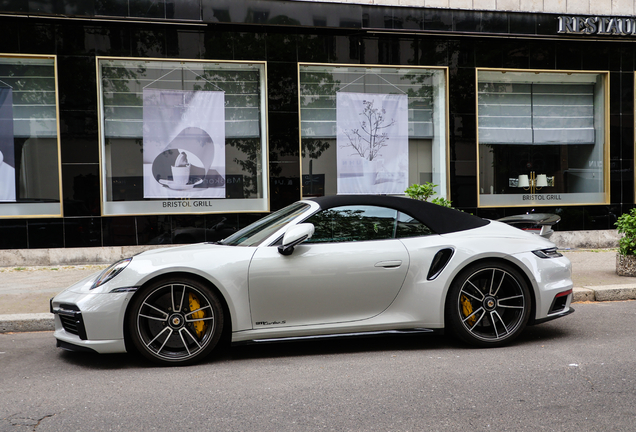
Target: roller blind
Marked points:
33	85
122	89
536	113
318	98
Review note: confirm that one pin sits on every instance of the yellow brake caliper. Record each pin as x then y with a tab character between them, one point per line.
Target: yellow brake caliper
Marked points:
467	309
199	326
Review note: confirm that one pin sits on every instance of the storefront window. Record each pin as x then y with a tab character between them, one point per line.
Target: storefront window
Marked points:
29	146
372	129
543	138
182	136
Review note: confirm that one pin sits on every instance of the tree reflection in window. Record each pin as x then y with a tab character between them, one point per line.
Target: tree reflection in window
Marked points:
353	223
360	223
408	226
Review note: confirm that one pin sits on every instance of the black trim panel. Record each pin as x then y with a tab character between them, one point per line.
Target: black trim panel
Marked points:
71	347
553	317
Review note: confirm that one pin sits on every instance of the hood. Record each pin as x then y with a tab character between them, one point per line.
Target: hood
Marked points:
173	249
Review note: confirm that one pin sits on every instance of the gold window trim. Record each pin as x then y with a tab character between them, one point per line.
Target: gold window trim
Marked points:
59	151
101	139
606	145
378	66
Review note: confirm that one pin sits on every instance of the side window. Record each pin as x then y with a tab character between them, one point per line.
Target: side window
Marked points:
408	226
353	223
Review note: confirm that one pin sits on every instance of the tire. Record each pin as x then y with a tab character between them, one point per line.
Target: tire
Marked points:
175	321
488	304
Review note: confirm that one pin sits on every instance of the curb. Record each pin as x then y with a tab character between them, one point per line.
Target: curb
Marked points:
26	322
605	293
45	322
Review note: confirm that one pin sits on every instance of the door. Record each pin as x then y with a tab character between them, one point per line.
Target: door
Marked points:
350	270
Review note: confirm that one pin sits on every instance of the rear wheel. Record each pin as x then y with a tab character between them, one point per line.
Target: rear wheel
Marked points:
489	304
175	321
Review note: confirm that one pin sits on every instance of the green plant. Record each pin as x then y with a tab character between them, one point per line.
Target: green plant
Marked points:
421	192
626	224
442	201
424	191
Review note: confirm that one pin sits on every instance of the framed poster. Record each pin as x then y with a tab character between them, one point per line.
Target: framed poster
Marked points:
174	133
372	143
184	144
30	183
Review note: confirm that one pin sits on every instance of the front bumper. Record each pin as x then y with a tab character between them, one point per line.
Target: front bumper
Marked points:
90	321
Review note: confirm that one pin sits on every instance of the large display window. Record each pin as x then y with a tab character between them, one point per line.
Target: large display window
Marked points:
182	136
543	138
29	146
372	129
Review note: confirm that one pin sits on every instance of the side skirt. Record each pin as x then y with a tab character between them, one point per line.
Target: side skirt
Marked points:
339	336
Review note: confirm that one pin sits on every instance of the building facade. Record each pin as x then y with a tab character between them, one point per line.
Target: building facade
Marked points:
160	122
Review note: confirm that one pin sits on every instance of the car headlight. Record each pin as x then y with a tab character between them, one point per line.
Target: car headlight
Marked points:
111	272
547	253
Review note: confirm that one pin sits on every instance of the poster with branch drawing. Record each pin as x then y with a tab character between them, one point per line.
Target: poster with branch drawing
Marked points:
372	143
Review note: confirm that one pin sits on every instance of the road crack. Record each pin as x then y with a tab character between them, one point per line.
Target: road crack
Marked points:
23	422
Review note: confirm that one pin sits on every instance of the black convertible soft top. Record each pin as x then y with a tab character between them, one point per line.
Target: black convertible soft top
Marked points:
441	220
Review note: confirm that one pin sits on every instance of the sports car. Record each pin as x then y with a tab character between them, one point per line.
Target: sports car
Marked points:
323	267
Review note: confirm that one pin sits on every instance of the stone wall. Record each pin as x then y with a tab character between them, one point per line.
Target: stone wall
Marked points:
600	239
69	256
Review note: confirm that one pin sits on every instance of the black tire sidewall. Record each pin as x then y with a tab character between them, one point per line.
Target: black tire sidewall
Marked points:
145	291
453	317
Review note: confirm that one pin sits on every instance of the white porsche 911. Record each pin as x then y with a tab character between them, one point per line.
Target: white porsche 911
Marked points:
323	267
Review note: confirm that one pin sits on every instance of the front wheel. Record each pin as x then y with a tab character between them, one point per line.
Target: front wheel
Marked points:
489	304
175	321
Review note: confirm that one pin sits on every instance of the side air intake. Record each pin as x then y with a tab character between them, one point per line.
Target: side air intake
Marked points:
440	260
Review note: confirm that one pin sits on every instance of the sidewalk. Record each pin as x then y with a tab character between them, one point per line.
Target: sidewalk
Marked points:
25	291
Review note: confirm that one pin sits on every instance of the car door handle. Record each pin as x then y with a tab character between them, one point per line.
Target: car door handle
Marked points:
389	264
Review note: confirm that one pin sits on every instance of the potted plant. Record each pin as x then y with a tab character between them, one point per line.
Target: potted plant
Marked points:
626	257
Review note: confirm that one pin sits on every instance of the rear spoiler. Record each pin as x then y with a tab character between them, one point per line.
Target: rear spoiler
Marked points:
538	223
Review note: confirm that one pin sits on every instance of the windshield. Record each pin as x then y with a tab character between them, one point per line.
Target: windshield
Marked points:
254	234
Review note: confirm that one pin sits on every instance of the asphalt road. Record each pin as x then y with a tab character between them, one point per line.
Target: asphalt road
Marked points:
576	373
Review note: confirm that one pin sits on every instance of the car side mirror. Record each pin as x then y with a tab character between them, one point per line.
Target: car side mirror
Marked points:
294	236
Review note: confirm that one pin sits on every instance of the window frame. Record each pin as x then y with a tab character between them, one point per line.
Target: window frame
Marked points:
178	205
54	209
442	190
544	201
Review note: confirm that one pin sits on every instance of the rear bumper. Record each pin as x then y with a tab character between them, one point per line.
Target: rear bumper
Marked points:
552	283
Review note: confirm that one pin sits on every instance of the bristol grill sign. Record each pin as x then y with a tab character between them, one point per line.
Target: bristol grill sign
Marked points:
606	26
